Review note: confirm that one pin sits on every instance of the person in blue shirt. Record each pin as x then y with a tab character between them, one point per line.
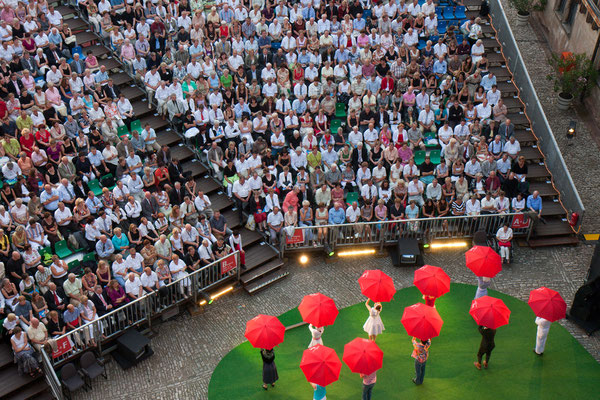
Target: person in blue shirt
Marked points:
105	248
337	215
534	204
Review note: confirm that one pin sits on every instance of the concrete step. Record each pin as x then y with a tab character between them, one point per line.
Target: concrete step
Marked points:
266	281
259	272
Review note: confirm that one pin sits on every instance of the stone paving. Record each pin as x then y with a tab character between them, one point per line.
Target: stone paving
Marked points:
187	349
586	175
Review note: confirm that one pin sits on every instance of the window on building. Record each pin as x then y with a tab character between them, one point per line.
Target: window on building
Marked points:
561	6
572	13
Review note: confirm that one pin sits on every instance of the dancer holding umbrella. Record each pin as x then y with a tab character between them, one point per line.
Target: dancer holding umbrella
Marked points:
433	283
321	366
266	332
316	333
548	306
318	311
485	263
378	287
364	357
489	313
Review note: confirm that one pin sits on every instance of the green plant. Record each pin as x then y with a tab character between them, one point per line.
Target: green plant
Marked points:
574	75
522	6
540	5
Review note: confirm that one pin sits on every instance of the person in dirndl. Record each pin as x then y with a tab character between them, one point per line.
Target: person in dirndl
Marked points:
373	326
269	374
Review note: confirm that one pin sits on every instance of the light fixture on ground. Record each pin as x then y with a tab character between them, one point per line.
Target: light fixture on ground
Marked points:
328	250
571	132
209	299
448	245
303	259
358	252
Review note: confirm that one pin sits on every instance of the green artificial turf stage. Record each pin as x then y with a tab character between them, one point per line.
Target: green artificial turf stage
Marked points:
565	371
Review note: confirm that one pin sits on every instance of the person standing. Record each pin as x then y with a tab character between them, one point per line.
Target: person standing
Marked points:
542	334
316	335
420	354
482	286
486	346
374	325
429	300
269	368
319	392
368	383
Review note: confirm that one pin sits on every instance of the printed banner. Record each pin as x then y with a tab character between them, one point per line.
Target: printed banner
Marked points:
228	264
63	345
520	221
297	237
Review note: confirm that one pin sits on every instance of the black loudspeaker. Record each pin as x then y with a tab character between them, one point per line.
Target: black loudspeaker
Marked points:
585	310
132	347
594	271
407	253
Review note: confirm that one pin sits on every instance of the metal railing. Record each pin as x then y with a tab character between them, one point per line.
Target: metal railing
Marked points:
554	160
388	232
51	378
143	309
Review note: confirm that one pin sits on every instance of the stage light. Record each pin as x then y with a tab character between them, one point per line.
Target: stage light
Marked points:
328	250
448	245
215	296
571	132
303	259
362	252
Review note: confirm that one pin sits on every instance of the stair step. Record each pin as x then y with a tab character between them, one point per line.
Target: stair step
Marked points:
250	237
6	356
155	122
193	166
76	24
132	93
168	137
552	208
536	171
36	390
261	271
518	119
495	58
220	201
513	103
140	109
258	255
525	137
11	381
531	153
553	241
490	44
65	10
98	50
208	185
233	220
500	72
110	63
544	188
266	281
121	78
507	88
86	38
552	228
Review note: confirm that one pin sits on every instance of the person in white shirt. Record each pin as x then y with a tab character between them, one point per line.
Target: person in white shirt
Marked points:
504	237
133	286
135	261
512	148
434	190
203	203
415	190
427	120
177	268
149	280
275	223
473	206
133	209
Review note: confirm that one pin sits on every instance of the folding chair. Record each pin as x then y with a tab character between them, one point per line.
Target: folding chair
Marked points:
434	155
136	126
351	197
460	12
62	250
95	187
442	27
122	131
335	124
448	13
419	157
340	110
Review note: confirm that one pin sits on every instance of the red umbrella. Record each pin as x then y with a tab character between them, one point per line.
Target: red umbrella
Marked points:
318	309
363	356
376	285
432	281
489	312
483	261
422	321
547	303
264	331
321	365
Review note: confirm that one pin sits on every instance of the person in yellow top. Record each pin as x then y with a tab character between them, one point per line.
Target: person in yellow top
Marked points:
313	159
11	147
24	121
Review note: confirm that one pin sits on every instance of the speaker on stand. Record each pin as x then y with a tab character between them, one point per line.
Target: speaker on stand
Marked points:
407	253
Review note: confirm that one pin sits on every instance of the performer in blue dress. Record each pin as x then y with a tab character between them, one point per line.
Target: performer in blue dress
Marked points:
320	392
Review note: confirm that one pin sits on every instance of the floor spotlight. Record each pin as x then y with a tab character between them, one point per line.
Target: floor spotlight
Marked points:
303	259
571	132
328	250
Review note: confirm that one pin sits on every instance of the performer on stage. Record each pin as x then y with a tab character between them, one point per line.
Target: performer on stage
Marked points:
482	286
269	368
373	326
316	335
486	346
542	334
320	392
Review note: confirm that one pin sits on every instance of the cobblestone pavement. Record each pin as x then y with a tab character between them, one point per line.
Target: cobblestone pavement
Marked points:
187	349
586	175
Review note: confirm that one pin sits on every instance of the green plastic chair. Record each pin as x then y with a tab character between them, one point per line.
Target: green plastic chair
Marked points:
89	257
74	264
427	136
95	187
43	251
340	110
335	124
136	126
122	131
435	156
351	197
62	250
419	157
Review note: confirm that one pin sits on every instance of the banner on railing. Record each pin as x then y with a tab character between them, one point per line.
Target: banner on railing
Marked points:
63	345
520	221
297	237
228	264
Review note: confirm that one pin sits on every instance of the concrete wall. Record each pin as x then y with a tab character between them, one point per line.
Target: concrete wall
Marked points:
581	39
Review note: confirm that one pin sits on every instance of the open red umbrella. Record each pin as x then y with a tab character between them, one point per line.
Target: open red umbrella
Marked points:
432	281
363	356
321	365
489	312
318	309
483	261
376	285
422	321
264	331
547	303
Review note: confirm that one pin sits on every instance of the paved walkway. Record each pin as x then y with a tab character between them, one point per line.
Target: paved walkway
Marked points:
187	349
581	157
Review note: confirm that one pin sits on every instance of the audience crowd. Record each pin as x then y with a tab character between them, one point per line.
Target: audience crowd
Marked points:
309	112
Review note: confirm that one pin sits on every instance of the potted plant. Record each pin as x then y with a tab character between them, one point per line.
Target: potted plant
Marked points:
524	8
573	76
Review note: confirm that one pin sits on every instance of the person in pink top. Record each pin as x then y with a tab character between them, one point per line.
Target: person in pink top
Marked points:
368	383
53	97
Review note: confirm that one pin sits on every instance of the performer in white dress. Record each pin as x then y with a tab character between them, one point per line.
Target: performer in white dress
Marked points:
373	326
542	334
316	335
